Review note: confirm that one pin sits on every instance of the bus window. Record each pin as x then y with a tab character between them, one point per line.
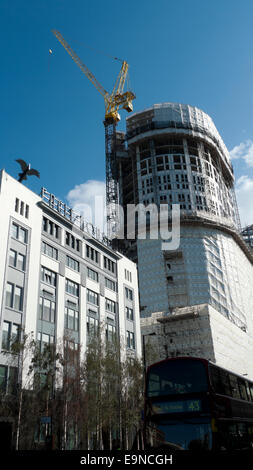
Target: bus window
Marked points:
153	384
220	380
242	388
248	391
215	378
251	391
234	386
174	377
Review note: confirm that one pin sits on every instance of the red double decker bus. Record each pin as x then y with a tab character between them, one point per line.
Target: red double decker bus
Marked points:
192	404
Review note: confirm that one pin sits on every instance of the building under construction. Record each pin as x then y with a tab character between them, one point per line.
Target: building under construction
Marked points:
175	155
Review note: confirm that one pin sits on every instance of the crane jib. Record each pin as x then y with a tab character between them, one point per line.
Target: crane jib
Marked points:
114	101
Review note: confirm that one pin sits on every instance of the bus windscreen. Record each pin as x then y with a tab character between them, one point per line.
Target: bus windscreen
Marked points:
177	377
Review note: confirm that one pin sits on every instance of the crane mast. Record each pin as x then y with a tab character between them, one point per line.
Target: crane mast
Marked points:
113	103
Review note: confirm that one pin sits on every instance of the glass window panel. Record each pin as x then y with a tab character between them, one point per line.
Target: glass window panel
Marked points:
13	258
22	235
46	310
3	378
186	376
52	312
21	262
14	231
234	386
18	300
14	333
13	379
6	335
71	319
41	308
9	294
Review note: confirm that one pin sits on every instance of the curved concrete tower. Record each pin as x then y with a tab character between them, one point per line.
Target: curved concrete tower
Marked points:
177	156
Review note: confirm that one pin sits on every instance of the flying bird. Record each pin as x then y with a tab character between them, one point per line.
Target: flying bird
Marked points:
26	170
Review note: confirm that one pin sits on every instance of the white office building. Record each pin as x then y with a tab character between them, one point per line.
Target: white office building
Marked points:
59	277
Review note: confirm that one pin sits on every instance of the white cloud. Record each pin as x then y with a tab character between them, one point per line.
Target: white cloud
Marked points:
89	200
244	196
244	151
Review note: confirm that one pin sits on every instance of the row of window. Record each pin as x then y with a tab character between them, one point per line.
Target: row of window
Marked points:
15	294
21	234
50	277
71	241
75	265
21	208
229	384
47	309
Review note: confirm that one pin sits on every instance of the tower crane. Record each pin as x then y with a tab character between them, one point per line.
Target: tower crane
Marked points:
114	101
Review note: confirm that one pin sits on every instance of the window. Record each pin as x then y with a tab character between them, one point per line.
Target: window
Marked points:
71	319
14	296
47	310
92	254
92	274
110	332
10	335
3	379
128	275
18	298
110	306
92	326
110	265
73	263
9	294
129	293
17	205
49	250
13	258
12	380
72	287
234	386
111	284
19	233
130	340
129	313
17	260
71	354
50	228
22	209
44	340
20	262
92	297
243	390
48	276
8	379
73	242
22	206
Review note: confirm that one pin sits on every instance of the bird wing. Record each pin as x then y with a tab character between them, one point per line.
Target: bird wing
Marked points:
22	163
34	172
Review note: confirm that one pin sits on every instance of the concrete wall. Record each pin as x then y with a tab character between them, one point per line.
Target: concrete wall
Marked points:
200	331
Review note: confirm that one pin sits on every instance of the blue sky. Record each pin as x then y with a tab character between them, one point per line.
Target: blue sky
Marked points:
195	52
